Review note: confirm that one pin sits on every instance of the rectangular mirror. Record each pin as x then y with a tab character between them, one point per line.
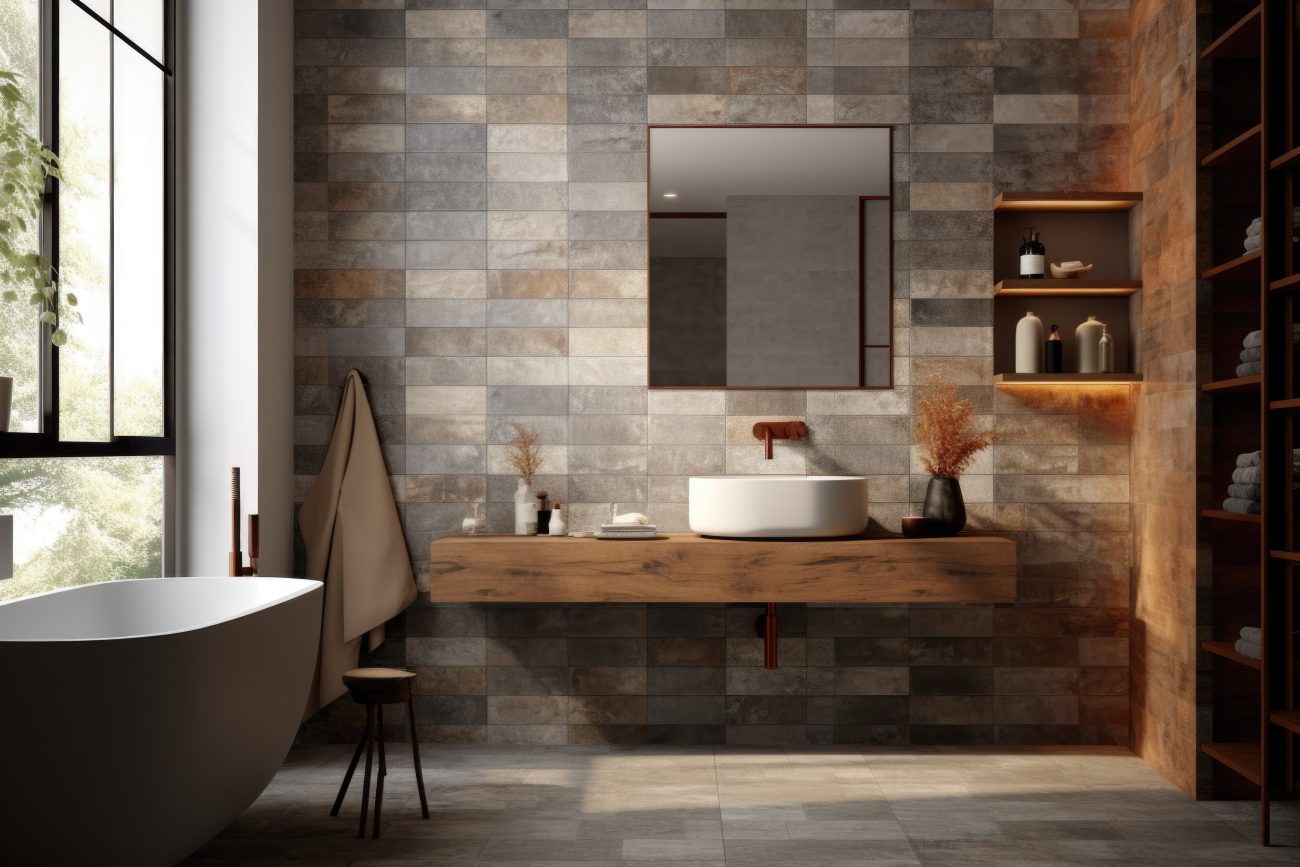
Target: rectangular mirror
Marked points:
770	257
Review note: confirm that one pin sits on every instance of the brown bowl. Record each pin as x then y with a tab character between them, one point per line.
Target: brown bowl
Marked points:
917	527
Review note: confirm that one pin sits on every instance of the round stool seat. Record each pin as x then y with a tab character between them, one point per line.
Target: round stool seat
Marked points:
378	685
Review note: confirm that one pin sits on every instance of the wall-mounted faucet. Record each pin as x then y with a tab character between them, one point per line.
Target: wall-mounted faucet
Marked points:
778	430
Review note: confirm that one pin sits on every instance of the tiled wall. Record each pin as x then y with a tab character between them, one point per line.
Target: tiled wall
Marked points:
471	236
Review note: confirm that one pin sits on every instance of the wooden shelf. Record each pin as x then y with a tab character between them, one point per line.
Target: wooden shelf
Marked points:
1070	201
1288	556
1236	385
1291	404
1238	42
1244	267
1065	288
1240	151
1067	378
1287	719
1225	515
1286	284
1242	758
1287	160
1225	650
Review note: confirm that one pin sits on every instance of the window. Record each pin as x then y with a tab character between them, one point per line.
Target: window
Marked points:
84	464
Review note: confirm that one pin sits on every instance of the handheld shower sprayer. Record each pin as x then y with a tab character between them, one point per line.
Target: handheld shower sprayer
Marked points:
237	567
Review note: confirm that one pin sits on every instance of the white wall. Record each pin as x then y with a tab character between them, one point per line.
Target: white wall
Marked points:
234	304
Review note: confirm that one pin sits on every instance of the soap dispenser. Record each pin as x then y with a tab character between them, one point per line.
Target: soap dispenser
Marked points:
558	525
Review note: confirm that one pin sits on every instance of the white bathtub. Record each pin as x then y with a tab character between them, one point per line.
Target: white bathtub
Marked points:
138	718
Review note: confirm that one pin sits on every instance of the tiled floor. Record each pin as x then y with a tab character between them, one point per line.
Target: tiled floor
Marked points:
705	807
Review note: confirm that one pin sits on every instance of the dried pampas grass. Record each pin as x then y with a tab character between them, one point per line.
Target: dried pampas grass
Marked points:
945	430
525	453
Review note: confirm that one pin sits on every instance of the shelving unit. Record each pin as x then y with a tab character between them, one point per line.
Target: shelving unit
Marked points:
1092	227
1251	156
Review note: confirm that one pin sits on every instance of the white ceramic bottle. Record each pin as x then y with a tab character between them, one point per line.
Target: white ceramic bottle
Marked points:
525	511
1029	344
559	527
1106	352
1087	340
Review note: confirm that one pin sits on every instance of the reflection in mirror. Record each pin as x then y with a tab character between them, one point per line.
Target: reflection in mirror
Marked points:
770	257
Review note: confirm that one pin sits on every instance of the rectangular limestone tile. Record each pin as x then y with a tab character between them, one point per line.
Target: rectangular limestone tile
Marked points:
446	167
446	226
527	138
607	52
527	283
439	108
1036	24
872	24
891	402
607	167
1036	459
607	430
959	371
521	196
607	196
450	652
348	284
526	710
607	371
366	137
446	254
349	254
614	313
607	255
854	108
517	22
608	284
462	196
767	52
527	225
607	138
1058	489
687	429
951	622
607	710
766	109
769	22
445	400
952	341
1036	709
446	24
1036	681
527	254
446	79
365	79
527	167
527	52
366	167
366	226
821	109
607	24
526	79
526	313
686	108
1033	108
434	459
527	371
951	283
608	341
461	51
685	19
952	138
445	430
527	400
455	370
951	196
464	284
356	108
687	402
663	51
951	710
687	460
871	52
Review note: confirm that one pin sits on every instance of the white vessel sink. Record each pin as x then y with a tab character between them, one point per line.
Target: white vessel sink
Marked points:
775	507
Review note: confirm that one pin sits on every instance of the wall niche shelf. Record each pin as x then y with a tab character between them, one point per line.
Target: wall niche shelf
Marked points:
1093	227
1225	650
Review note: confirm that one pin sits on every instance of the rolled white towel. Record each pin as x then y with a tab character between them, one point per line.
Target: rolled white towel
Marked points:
1238	506
1249	368
1254	228
1244	492
1245	475
1254	338
1251	353
1251	244
1253	634
1248	648
1248	459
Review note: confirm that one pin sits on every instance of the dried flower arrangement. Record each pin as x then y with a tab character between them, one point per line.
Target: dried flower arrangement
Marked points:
525	453
944	430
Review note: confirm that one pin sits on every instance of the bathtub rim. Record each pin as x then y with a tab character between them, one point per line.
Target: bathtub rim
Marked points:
293	588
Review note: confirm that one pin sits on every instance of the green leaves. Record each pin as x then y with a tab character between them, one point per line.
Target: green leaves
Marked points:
24	170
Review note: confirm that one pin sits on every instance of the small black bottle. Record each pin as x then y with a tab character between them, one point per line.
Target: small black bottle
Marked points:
1052	360
1033	257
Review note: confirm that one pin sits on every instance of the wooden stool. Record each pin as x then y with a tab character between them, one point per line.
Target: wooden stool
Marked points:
376	687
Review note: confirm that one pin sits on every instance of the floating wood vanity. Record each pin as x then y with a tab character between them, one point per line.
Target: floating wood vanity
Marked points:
686	568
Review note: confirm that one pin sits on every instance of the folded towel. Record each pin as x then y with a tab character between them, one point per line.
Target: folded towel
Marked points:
1248	459
1254	338
1249	368
1253	634
1245	475
1238	506
1248	648
1244	492
1251	243
1254	228
1251	353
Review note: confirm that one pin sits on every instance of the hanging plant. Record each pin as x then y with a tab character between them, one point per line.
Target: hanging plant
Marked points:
25	273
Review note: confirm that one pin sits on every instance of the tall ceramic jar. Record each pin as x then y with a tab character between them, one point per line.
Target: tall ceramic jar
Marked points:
525	511
1029	344
1087	339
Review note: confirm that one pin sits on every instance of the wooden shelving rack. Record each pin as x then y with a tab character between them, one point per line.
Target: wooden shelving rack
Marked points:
1251	165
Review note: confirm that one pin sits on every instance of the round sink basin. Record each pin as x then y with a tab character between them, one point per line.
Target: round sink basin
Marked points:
778	507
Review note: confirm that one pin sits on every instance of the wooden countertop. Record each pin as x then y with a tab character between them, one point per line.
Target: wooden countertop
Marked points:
686	568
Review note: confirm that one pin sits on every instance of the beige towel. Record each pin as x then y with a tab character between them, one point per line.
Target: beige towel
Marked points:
354	544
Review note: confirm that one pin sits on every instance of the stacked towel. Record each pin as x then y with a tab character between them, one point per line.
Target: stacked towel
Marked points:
627	531
1251	243
1249	642
1244	492
1251	351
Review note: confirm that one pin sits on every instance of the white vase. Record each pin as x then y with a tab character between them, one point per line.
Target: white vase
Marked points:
1029	344
559	527
1087	338
525	511
6	398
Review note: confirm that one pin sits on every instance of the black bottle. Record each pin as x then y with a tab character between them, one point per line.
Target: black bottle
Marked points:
1052	361
1033	257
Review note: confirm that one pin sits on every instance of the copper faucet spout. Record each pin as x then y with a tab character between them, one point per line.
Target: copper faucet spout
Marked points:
778	430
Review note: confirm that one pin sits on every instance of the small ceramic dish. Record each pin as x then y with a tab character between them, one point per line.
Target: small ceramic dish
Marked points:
1065	270
917	527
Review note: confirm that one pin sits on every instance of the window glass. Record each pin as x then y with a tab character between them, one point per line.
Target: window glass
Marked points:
82	521
19	332
142	22
138	168
85	227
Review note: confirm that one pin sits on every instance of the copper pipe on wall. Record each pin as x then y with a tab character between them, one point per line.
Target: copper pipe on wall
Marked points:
254	544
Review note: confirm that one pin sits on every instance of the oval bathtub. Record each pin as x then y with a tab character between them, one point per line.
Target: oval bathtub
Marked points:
140	717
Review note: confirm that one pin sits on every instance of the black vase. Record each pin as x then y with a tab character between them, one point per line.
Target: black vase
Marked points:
944	505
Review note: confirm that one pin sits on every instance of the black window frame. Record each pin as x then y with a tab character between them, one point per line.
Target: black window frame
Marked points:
46	442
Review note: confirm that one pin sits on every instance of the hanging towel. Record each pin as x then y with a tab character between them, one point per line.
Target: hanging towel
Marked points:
354	544
1238	506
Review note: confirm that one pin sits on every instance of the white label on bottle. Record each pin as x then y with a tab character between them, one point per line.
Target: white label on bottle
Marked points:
1032	265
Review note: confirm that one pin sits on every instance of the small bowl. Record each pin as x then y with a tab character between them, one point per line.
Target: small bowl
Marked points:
917	527
1069	269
